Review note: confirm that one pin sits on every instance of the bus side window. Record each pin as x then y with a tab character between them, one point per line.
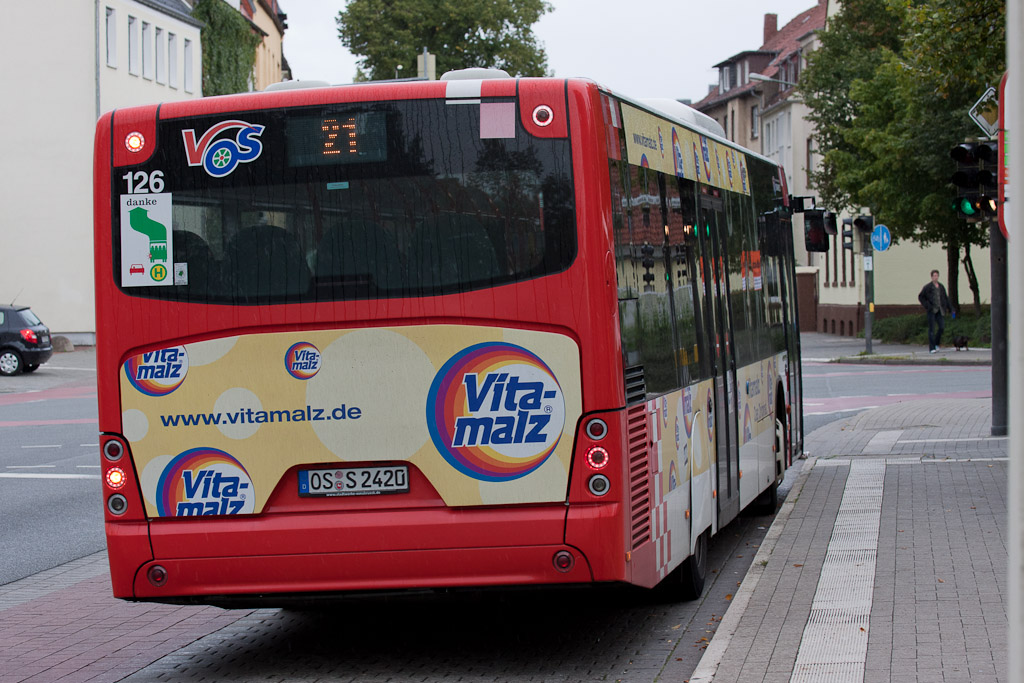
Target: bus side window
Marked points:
693	360
652	324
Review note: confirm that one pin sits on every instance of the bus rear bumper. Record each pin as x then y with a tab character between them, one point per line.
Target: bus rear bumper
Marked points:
226	579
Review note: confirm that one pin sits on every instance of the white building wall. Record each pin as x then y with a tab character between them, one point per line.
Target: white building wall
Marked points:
59	83
47	123
119	87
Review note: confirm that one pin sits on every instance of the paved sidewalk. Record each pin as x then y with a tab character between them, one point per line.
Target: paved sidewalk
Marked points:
819	347
887	561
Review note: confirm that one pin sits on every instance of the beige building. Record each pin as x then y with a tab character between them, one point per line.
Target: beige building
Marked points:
756	102
268	20
84	58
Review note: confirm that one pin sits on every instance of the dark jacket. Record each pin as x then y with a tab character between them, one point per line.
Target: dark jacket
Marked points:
934	299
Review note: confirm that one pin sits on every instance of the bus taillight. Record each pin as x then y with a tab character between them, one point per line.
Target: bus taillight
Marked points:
115	478
597	457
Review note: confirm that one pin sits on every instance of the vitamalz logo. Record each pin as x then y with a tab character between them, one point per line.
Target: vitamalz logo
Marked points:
302	360
220	156
204	481
157	373
495	411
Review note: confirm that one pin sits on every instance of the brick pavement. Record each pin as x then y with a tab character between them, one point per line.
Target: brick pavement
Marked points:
938	591
64	625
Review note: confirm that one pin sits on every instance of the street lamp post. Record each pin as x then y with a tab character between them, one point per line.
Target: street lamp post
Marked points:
766	79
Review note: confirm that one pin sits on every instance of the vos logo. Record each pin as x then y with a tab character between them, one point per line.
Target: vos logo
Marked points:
219	156
157	373
204	481
495	411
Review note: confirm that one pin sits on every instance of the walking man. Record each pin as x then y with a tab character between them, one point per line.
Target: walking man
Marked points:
936	304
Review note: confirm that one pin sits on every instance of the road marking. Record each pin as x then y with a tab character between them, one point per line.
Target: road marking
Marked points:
50	445
86	467
977	438
844	410
27	467
46	423
89	445
61	367
40	475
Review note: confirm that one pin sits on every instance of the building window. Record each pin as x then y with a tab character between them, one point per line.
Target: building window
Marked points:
755	122
172	60
811	164
147	50
133	46
188	65
111	37
161	57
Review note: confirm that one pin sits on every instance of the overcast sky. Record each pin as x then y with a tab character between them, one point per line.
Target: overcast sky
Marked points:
642	48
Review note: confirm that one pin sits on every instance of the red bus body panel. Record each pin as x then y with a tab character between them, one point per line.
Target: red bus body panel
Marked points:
299	545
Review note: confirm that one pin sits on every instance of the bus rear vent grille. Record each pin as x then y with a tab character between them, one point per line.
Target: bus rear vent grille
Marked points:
639	476
636	386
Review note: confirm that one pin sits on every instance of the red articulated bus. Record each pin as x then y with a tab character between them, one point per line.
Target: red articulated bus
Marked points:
482	331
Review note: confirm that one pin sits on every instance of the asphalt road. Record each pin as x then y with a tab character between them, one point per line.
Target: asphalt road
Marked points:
50	498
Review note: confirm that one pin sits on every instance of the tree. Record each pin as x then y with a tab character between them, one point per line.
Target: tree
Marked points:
386	34
229	48
889	90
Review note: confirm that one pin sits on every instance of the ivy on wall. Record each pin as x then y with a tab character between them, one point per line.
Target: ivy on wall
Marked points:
229	47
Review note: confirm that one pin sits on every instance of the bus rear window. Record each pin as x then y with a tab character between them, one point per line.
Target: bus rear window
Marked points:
396	199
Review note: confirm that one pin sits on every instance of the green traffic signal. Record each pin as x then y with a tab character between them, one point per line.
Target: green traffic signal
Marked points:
967	207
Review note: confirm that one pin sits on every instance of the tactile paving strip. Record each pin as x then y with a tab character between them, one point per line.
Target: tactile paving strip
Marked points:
834	645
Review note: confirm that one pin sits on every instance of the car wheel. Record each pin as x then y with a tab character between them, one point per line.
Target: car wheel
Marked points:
31	368
10	362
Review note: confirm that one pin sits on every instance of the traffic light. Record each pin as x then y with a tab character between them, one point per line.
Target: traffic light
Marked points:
848	233
647	251
976	179
818	225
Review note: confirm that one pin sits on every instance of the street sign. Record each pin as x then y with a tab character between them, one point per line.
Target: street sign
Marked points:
881	238
869	265
985	112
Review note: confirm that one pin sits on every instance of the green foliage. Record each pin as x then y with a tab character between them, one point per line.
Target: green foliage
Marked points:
913	329
462	33
889	89
229	48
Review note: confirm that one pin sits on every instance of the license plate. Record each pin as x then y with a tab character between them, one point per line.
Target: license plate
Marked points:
354	481
45	339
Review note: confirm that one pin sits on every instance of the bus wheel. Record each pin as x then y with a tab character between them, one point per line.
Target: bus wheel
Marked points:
686	582
694	570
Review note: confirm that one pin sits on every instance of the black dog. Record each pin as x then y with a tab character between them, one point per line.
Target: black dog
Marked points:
960	342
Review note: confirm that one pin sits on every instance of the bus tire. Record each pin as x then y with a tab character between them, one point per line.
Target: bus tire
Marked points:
694	570
686	582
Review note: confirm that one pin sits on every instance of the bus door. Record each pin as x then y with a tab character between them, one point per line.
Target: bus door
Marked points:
719	315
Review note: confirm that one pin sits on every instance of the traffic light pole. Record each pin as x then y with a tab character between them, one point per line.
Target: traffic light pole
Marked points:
869	290
1015	301
1000	379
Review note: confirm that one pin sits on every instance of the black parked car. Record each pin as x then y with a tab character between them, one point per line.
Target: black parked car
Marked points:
24	340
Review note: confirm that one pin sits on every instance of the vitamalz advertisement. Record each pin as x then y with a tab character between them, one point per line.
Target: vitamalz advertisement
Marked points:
486	414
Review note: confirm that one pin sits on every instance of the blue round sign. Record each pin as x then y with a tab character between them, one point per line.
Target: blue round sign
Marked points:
881	238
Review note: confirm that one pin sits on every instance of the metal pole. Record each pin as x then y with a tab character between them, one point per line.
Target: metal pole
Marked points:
869	290
1015	330
997	256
